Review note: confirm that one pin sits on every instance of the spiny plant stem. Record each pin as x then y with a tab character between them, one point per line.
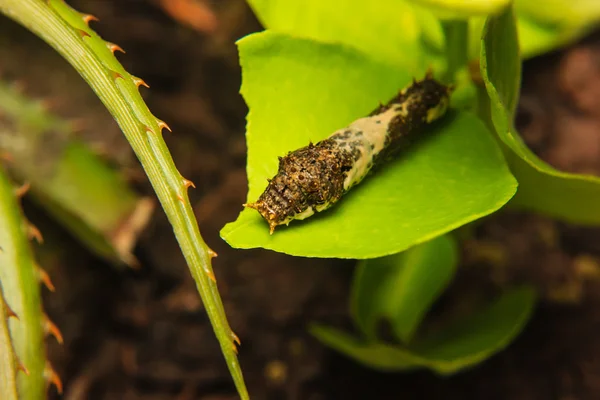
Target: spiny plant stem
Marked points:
8	358
67	32
21	298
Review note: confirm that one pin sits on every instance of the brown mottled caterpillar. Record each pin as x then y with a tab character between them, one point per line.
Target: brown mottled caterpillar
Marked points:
315	177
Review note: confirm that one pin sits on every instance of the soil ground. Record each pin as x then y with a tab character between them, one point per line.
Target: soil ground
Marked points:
144	335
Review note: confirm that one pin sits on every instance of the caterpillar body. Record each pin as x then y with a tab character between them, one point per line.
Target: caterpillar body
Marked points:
315	177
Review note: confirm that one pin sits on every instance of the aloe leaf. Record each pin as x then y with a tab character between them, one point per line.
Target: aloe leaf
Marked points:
67	179
21	292
8	358
300	90
462	345
572	197
66	30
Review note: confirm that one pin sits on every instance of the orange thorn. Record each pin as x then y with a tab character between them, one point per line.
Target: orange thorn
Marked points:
139	82
235	338
21	190
212	276
45	279
114	47
116	75
89	17
10	313
180	198
52	377
212	253
52	329
83	33
34	233
22	368
163	125
188	183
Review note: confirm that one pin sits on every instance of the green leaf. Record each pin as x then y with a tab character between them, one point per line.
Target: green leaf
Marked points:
402	287
463	8
389	30
462	345
299	90
572	197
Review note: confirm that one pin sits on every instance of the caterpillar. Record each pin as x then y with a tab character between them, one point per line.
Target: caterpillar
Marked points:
313	178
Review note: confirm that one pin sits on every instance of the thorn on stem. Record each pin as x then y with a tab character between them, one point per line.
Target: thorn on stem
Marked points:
212	253
139	82
52	377
83	33
45	279
50	328
89	17
163	125
235	338
22	190
115	75
114	47
22	368
34	233
187	183
10	313
212	276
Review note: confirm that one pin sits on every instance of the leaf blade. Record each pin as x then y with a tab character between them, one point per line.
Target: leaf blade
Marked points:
402	287
306	90
572	197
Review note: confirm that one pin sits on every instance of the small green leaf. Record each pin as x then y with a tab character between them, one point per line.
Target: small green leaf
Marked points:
462	345
572	197
402	287
299	90
389	30
463	8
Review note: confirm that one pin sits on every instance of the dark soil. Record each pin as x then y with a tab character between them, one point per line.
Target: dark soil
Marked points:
144	334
